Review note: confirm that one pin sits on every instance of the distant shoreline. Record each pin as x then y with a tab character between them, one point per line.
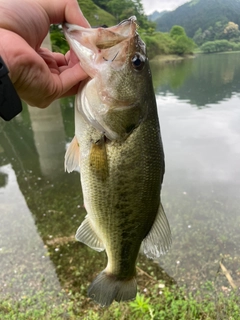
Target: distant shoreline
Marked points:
218	52
171	58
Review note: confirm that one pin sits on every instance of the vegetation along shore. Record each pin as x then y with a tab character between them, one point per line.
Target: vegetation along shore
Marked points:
197	26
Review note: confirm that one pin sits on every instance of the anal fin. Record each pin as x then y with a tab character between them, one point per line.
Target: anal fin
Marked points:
158	240
87	235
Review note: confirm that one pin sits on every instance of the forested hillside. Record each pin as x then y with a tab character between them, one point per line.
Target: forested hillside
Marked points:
202	18
95	14
122	9
104	12
155	15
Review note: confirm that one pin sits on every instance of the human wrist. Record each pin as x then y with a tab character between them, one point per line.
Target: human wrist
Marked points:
8	53
5	53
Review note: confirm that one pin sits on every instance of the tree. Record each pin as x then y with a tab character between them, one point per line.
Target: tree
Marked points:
231	30
177	32
59	43
208	47
219	28
101	3
116	7
123	9
217	46
223	45
183	45
198	37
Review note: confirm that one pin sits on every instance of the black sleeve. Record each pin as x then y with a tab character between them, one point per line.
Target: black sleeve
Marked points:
10	103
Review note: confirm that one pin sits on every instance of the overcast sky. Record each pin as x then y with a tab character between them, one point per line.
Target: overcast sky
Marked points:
160	5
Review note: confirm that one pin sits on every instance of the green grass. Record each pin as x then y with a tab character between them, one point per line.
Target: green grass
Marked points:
157	303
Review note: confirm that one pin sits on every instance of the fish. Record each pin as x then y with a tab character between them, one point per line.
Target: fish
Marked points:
118	150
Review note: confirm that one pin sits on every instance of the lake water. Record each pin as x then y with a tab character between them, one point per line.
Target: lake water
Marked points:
41	206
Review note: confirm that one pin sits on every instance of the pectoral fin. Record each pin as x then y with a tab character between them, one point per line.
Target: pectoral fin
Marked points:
98	159
87	235
72	156
158	240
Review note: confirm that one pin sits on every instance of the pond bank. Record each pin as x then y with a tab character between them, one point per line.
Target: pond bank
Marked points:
161	302
171	58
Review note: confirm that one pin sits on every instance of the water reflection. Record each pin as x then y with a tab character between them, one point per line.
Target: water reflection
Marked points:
52	205
208	79
202	180
24	261
48	130
202	146
3	179
38	200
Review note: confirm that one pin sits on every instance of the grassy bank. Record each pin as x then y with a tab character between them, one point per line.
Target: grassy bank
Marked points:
171	58
155	300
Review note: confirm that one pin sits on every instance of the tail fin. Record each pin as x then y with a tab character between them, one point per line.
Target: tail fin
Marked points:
105	288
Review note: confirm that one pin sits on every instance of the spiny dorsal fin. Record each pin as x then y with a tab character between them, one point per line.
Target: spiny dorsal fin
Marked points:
72	156
158	240
87	235
98	159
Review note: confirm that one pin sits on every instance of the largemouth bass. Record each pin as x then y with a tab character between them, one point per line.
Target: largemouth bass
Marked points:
118	148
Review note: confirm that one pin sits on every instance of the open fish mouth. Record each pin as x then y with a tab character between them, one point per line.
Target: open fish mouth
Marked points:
110	56
105	37
93	45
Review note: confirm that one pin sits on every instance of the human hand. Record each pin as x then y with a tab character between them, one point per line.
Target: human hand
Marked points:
39	75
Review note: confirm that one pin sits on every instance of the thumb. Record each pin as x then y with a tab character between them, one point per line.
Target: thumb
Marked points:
70	78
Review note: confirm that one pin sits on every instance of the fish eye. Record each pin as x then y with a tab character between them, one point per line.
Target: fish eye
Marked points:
138	61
